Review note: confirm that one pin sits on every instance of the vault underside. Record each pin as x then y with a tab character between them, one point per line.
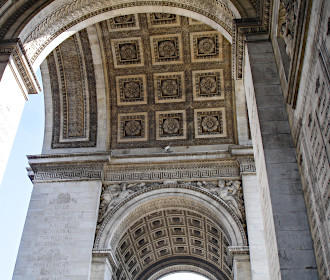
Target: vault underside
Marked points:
167	80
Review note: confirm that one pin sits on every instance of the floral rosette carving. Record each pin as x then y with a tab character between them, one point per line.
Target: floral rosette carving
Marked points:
131	89
206	46
171	126
167	49
210	123
169	87
128	52
208	85
133	128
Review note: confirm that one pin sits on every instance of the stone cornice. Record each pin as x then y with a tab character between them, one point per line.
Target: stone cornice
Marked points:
243	26
239	250
66	168
100	166
177	170
107	254
16	54
247	165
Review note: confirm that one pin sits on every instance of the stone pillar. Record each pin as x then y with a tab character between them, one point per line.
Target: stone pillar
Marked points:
241	114
288	239
17	80
103	264
241	262
255	227
59	231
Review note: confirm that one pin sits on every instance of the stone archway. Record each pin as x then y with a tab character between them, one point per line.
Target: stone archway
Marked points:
58	174
162	227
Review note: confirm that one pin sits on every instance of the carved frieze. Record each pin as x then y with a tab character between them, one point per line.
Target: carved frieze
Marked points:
247	165
67	173
229	191
287	23
175	171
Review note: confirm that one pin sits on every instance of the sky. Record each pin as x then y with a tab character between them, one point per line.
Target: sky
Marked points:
16	187
183	276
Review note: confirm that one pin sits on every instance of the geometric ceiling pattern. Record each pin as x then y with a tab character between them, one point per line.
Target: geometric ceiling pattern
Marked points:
168	236
169	83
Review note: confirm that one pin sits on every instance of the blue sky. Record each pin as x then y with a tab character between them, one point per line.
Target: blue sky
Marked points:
183	276
16	187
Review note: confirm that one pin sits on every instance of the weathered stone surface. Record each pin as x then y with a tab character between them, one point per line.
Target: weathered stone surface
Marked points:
289	210
59	231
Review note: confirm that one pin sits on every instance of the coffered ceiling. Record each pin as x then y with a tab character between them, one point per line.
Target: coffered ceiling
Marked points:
168	83
168	236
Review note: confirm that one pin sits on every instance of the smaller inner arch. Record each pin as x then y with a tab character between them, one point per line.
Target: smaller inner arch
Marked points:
171	240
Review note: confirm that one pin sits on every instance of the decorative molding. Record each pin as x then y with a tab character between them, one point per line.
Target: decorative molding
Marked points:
14	48
126	22
247	165
244	26
73	96
239	250
228	190
70	14
131	90
107	254
163	19
177	171
298	21
66	173
169	87
117	195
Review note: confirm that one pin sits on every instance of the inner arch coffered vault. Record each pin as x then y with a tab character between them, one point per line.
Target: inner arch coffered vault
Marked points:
168	137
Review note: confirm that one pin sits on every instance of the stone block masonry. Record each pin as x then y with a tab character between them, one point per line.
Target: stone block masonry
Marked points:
59	231
277	167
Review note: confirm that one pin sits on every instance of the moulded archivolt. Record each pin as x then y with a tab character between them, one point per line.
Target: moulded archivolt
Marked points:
169	195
